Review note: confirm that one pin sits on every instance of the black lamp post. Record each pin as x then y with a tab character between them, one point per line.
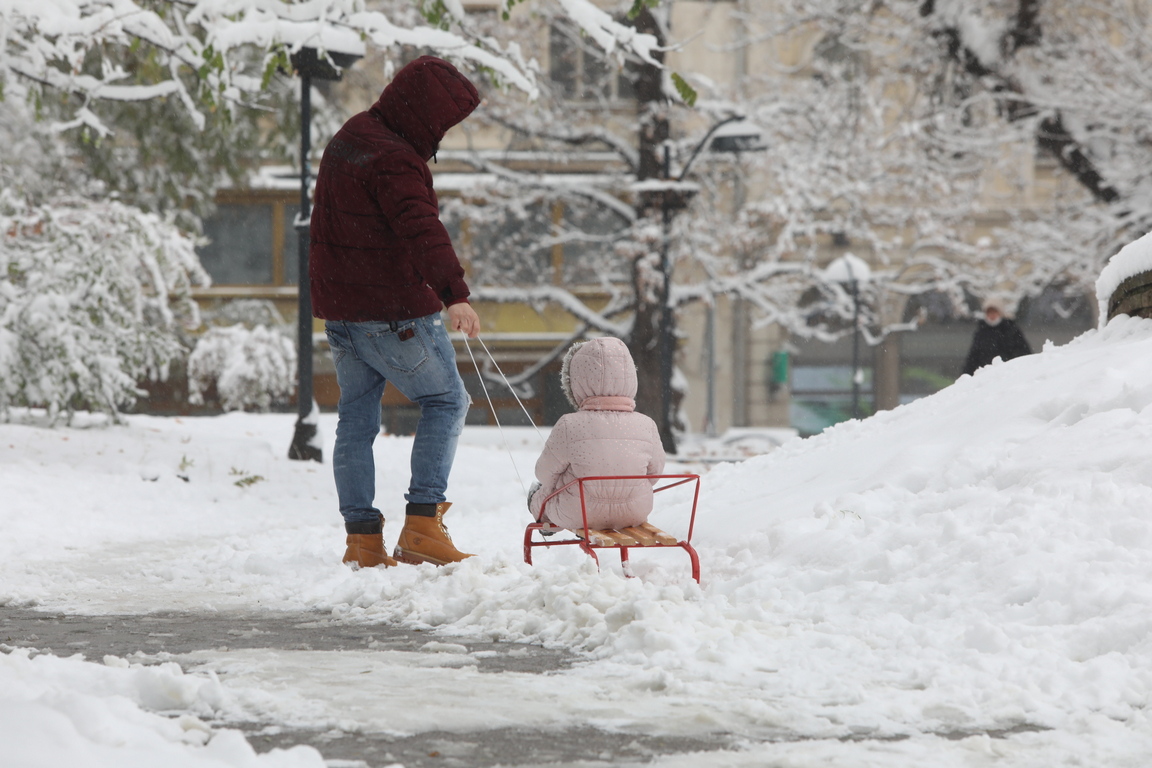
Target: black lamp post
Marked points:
739	136
669	202
850	271
309	65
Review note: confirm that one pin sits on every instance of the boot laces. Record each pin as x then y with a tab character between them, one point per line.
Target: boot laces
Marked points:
440	522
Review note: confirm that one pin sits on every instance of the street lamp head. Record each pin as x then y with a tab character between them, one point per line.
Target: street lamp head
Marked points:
318	50
310	62
848	269
732	134
739	135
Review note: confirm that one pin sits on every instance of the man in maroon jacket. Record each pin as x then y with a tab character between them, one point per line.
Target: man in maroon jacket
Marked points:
382	269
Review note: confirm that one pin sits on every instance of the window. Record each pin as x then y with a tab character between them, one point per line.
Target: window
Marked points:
290	252
1059	305
931	356
581	71
509	245
938	307
588	258
822	395
252	242
832	57
839	65
548	241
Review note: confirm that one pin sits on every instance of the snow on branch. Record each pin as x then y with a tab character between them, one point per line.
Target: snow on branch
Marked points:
609	33
745	284
206	48
536	295
571	134
213	53
506	62
563	182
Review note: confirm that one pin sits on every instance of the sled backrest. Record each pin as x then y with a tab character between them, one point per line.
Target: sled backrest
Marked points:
673	481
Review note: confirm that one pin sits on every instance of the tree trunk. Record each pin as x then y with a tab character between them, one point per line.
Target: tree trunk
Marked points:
648	343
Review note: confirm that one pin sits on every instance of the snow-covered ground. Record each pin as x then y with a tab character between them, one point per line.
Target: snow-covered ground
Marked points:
977	561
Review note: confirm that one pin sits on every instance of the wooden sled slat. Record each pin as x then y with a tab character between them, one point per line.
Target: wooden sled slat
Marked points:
645	538
644	535
667	539
597	538
608	537
620	537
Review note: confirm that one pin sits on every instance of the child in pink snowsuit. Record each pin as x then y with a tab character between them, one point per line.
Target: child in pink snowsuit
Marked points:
605	436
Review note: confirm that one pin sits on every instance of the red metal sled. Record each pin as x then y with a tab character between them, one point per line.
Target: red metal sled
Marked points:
626	539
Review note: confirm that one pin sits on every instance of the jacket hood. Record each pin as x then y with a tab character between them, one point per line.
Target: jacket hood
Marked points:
425	99
598	368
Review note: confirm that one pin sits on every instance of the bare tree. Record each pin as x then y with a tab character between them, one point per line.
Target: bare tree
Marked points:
935	117
913	133
631	224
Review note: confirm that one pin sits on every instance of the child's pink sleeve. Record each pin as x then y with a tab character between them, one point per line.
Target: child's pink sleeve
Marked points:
656	463
550	466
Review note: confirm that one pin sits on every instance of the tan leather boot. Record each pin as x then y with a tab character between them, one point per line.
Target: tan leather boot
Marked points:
366	546
425	539
366	550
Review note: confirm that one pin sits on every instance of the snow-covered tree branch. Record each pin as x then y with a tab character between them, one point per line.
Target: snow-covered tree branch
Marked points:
161	100
939	118
962	149
74	46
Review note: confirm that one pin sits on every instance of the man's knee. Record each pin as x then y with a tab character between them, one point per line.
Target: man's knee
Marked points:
464	402
454	402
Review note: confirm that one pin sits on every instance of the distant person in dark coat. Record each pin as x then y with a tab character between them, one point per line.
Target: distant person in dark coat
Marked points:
996	337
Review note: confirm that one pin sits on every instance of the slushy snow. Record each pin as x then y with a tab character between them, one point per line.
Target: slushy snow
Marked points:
963	581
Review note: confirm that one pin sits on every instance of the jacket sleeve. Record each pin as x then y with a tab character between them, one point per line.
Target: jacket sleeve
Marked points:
406	200
550	466
656	463
1019	344
972	361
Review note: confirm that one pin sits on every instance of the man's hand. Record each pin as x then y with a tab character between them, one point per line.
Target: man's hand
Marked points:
461	317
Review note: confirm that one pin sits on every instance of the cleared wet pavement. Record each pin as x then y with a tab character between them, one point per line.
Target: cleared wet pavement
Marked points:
161	636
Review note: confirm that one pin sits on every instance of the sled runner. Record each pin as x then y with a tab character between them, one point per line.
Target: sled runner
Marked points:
624	539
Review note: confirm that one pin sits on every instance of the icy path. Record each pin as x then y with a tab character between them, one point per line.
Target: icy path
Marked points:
962	582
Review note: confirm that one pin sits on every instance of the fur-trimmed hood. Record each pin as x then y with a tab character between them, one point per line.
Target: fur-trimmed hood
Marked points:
606	437
599	374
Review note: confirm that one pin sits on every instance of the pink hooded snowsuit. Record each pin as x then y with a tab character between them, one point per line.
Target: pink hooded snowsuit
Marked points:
604	437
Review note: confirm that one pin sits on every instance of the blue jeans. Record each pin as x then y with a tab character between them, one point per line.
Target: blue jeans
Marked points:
418	358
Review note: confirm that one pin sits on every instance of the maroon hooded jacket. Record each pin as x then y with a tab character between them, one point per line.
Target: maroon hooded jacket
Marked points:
378	250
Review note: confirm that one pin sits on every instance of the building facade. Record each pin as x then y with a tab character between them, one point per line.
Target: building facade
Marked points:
736	365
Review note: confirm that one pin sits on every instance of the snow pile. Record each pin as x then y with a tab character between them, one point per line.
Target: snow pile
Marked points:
57	711
979	560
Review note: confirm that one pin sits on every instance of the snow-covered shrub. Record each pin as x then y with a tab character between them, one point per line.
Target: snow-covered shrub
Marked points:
92	294
252	369
247	312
